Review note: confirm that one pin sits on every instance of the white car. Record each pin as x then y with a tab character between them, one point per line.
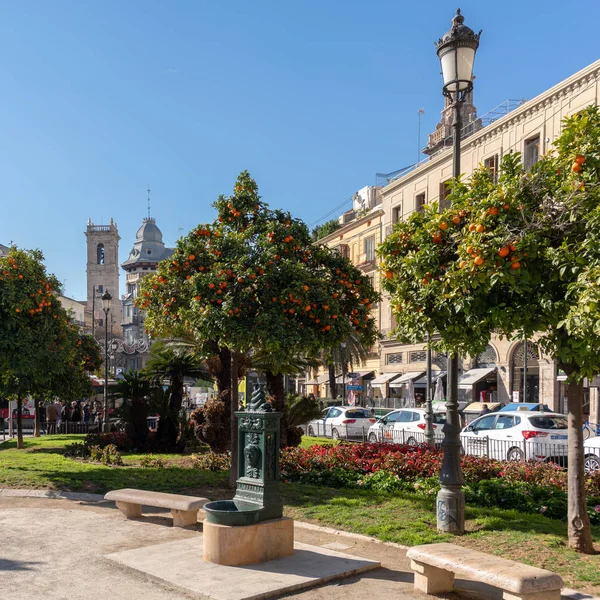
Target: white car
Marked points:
517	435
342	422
406	426
591	453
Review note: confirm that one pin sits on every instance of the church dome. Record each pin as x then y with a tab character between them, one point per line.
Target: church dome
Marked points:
149	232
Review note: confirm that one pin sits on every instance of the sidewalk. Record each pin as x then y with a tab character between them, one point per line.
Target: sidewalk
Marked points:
52	547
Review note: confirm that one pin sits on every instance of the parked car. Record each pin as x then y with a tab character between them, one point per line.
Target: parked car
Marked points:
405	426
591	453
517	435
473	410
345	422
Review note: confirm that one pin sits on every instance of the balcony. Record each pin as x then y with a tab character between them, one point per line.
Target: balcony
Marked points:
367	265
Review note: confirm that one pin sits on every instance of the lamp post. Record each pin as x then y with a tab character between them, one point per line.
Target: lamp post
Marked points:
106	298
429	437
456	51
343	347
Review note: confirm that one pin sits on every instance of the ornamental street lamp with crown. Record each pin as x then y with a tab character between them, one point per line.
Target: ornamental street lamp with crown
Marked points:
456	51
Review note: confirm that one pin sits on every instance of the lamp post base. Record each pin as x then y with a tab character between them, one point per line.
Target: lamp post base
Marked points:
450	505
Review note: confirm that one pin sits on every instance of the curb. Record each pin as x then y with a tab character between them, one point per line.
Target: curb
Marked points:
566	594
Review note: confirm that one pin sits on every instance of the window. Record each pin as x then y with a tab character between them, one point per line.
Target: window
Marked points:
484	423
420	356
505	422
100	254
487	358
419	202
100	322
444	193
370	249
546	422
344	250
439	418
391	418
334	412
100	289
531	151
129	337
393	359
397	214
491	164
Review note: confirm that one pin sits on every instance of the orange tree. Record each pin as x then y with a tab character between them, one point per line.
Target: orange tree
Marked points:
520	255
253	281
40	350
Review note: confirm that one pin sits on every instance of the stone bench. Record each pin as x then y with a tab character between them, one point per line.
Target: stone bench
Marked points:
183	508
435	565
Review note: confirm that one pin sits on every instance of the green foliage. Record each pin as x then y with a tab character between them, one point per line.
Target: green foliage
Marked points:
149	461
77	450
212	461
321	231
301	409
211	425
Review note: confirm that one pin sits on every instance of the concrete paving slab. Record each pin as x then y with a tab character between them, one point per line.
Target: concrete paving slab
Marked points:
336	546
180	565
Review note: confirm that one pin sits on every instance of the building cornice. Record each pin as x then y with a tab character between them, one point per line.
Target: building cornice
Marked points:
346	228
561	90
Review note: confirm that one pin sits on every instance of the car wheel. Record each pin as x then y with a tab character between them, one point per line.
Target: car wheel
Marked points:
372	438
335	434
311	432
591	463
411	441
515	454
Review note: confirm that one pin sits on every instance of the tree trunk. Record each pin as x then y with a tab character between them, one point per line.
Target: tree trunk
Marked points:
276	388
36	406
331	369
233	473
139	421
580	534
19	422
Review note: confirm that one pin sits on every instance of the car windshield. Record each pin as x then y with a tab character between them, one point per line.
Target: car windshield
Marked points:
439	418
357	414
547	422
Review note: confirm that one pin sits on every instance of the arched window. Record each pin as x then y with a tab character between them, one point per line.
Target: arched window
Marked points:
487	358
100	254
526	371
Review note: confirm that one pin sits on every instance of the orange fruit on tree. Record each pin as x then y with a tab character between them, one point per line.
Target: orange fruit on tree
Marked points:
443	226
516	265
424	281
472	227
456	220
506	206
462	264
580	159
512	247
493	211
211	285
478	260
576	167
480	228
462	213
470	250
503	252
388	275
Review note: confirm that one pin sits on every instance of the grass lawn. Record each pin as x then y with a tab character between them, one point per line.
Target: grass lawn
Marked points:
402	518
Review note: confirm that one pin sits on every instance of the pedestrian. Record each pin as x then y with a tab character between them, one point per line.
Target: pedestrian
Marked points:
76	412
51	418
42	409
87	413
484	410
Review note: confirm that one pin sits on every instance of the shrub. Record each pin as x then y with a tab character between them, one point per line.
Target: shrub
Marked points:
212	461
149	461
111	456
77	450
119	439
211	425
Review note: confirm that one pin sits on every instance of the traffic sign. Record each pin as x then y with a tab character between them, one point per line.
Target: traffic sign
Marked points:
356	388
353	375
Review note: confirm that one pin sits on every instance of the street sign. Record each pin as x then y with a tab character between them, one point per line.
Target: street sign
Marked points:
353	375
356	388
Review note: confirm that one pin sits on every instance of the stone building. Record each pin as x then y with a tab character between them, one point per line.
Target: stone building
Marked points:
4	250
148	250
530	129
76	309
102	276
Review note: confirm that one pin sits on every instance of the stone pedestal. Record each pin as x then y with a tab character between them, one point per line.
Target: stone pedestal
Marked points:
248	544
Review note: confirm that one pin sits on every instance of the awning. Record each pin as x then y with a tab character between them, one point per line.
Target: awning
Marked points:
472	376
435	375
361	374
406	378
384	378
320	380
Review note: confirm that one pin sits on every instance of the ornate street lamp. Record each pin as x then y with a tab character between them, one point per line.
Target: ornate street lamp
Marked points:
429	435
456	51
106	298
343	347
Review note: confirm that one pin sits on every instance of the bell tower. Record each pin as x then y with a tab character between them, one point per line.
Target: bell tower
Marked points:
103	275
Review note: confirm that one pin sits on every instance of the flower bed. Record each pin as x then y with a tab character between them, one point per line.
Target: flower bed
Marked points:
528	487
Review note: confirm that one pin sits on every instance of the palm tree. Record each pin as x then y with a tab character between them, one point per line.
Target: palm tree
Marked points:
338	358
135	389
167	362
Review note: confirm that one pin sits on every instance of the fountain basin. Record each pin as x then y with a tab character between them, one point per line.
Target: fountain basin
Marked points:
232	512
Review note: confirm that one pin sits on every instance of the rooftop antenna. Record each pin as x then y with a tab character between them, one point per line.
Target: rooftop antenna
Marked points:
420	112
148	190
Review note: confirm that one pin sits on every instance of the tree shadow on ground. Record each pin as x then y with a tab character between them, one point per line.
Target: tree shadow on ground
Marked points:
18	565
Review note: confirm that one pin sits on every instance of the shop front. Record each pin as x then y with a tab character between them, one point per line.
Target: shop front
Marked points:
380	386
478	385
403	391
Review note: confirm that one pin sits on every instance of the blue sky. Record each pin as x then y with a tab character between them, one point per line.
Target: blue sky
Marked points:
101	99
